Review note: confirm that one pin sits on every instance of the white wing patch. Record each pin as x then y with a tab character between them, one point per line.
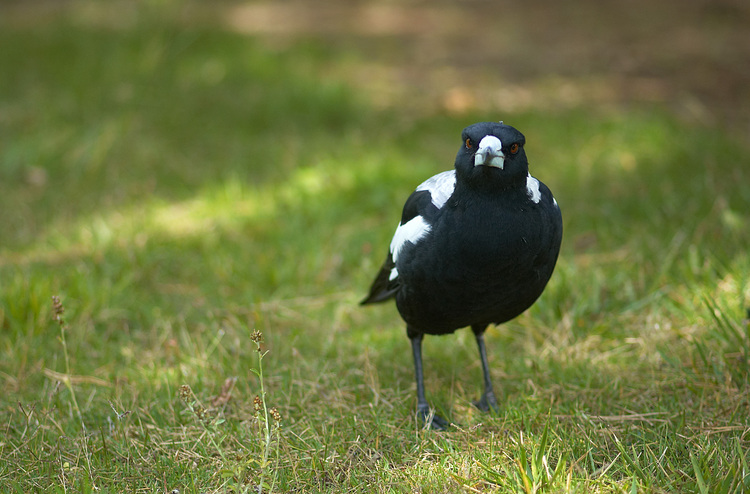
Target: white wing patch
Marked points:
411	231
532	189
440	187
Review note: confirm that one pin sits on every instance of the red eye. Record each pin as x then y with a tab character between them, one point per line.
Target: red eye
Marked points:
514	148
468	144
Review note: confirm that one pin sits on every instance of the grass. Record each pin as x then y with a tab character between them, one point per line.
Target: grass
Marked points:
181	189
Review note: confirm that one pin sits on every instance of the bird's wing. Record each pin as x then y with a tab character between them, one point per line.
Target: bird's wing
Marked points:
440	187
417	218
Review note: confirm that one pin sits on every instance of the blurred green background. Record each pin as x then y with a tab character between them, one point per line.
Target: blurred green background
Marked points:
182	173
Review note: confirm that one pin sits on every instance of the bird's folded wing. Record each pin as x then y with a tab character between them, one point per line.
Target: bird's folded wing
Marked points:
417	217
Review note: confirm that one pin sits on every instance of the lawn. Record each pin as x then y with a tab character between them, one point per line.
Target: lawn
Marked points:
190	216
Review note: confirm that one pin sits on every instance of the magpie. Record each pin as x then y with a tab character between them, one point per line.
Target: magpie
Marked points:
476	246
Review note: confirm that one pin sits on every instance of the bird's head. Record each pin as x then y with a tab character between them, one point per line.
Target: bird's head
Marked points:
492	153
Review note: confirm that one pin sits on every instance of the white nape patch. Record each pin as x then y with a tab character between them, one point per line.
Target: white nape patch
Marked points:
412	231
532	189
440	187
490	147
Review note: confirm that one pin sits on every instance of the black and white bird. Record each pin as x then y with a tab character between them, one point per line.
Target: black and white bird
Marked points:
476	246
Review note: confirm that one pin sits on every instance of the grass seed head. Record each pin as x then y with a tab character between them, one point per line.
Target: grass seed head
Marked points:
57	309
185	392
200	411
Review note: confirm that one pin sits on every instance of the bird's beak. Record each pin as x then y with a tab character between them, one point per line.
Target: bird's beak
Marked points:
490	153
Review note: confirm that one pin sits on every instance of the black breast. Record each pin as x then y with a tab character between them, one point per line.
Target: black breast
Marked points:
485	261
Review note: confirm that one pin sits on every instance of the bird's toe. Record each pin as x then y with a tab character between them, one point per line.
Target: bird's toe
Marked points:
487	403
432	420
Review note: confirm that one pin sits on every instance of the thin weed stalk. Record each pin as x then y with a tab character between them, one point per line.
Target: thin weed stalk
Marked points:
265	429
208	421
57	313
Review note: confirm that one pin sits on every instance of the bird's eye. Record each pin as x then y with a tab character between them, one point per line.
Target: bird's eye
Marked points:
468	144
514	148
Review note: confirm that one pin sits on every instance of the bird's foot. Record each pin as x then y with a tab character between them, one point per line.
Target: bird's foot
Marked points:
487	403
432	420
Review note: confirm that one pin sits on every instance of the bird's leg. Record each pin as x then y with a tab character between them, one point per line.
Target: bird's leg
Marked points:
488	401
423	408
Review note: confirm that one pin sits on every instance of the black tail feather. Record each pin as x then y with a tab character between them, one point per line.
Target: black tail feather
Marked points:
383	288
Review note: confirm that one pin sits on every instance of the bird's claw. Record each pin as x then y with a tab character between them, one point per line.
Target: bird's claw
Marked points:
432	420
487	403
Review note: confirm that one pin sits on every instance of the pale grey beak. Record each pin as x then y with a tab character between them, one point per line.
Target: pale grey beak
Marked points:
490	153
